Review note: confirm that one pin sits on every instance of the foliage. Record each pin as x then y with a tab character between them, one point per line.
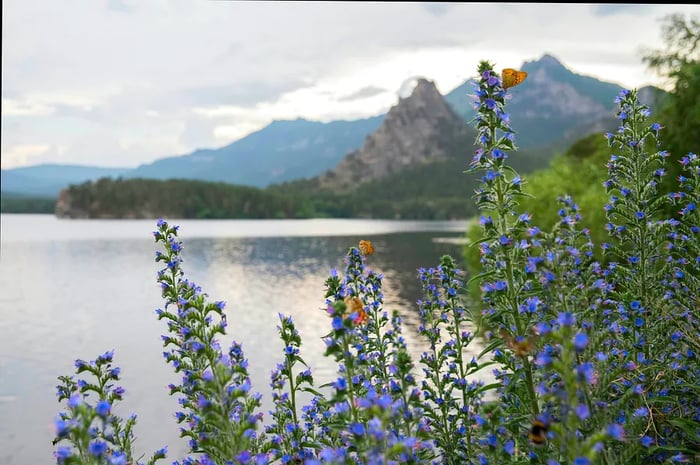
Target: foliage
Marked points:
147	198
580	173
429	192
594	362
23	204
679	62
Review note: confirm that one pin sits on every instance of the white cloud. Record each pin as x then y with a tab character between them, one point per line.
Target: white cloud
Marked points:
119	81
227	133
20	155
11	107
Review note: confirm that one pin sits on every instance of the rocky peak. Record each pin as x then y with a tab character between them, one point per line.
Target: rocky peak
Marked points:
416	130
553	92
548	63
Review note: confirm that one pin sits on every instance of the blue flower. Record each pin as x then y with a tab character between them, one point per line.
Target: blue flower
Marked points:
62	427
586	371
580	341
62	453
118	458
543	359
244	457
509	447
102	408
489	176
357	429
340	384
75	400
582	411
532	304
616	431
566	319
97	447
498	154
485	220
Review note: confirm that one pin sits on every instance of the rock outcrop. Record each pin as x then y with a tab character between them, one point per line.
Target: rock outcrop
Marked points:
418	129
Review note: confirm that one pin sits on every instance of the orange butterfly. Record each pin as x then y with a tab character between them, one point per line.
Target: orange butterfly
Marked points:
354	305
512	77
366	248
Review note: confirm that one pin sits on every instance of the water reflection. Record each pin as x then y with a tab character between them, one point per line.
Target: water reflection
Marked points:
73	298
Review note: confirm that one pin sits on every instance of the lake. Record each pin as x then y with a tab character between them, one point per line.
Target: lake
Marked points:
77	288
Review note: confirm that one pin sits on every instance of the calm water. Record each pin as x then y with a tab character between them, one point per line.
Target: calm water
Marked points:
76	288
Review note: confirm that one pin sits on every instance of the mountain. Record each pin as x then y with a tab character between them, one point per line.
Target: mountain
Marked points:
48	180
420	140
282	151
554	106
416	131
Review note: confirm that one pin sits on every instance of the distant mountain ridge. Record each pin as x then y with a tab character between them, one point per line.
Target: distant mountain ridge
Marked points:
554	105
551	109
47	180
282	151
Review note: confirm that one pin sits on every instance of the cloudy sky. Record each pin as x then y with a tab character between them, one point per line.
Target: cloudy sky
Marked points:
124	82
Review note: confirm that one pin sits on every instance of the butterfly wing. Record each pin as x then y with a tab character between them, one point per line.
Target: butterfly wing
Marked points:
507	77
512	77
366	247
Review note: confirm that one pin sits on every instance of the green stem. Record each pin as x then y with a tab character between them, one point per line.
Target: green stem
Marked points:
292	391
348	376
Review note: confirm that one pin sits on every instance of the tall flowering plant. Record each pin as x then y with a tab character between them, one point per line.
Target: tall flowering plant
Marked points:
95	433
537	294
593	362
